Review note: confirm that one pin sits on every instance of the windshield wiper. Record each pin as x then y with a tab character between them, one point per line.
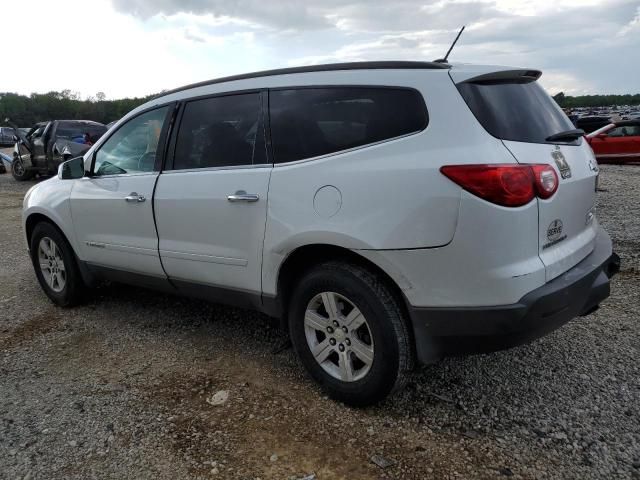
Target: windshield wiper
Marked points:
566	136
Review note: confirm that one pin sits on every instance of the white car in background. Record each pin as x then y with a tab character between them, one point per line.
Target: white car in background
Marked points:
390	213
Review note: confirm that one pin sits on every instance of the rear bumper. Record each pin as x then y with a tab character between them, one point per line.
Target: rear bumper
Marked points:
451	331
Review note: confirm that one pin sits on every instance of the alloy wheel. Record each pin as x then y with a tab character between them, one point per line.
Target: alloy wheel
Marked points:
338	336
52	264
18	167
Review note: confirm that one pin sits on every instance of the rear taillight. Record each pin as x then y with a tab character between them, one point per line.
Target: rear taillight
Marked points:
508	185
546	180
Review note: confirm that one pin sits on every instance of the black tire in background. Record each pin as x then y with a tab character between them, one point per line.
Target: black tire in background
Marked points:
19	171
393	356
74	287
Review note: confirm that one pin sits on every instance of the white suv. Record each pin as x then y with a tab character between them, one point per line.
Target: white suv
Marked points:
390	213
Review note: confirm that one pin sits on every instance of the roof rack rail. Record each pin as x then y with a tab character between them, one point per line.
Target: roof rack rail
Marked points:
315	68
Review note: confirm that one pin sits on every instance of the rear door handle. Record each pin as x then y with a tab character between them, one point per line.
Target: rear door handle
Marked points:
242	196
134	197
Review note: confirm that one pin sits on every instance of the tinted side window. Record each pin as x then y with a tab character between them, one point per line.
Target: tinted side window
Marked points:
626	131
70	131
95	132
221	131
308	122
78	132
132	148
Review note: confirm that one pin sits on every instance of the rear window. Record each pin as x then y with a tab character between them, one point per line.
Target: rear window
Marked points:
309	122
76	131
522	112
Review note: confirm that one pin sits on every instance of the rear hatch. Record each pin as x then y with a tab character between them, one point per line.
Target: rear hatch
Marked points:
513	107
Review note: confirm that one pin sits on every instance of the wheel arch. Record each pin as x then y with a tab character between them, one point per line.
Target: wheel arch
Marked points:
34	219
305	257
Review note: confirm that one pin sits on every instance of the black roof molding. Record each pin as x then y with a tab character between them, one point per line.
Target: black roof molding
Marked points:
506	76
329	67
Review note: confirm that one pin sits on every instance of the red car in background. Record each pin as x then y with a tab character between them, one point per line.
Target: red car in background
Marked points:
618	142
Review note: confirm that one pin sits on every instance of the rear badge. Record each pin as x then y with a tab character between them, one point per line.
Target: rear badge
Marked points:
554	234
561	162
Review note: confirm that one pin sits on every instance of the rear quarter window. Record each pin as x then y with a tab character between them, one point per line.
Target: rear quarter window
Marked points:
310	122
517	111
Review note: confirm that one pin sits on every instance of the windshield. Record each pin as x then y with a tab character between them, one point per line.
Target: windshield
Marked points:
521	112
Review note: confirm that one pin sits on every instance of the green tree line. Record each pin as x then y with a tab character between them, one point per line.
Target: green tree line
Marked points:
26	110
65	105
567	101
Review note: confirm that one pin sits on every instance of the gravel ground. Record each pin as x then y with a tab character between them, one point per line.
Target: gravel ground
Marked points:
123	387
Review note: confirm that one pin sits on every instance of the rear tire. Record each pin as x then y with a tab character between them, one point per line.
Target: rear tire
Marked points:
19	171
350	333
55	265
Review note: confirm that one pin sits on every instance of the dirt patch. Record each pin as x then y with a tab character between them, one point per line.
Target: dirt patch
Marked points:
254	424
34	326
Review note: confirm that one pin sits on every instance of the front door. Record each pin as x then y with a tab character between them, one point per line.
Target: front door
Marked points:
112	209
211	201
38	144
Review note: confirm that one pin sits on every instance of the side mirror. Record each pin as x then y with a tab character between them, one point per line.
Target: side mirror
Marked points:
71	169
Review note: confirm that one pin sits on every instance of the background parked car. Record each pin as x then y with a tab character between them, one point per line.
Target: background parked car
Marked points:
592	123
7	136
48	144
618	142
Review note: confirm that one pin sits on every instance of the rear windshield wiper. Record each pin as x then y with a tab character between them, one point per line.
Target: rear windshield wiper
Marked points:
566	136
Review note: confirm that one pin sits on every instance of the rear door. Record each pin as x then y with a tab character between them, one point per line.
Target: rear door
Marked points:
211	201
514	108
38	145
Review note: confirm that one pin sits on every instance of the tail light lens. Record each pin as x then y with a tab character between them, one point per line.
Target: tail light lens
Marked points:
546	180
508	185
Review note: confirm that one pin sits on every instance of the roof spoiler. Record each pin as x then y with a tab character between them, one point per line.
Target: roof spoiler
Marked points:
506	76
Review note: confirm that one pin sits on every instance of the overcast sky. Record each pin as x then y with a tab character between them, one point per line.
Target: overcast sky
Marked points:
139	47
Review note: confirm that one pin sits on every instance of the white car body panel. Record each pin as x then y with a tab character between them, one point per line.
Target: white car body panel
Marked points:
112	232
206	239
51	198
572	204
424	210
492	259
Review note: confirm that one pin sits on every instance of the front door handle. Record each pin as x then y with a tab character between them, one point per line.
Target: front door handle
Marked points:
134	197
242	196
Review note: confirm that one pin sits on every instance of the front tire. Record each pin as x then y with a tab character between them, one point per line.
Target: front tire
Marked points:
55	265
19	171
350	333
